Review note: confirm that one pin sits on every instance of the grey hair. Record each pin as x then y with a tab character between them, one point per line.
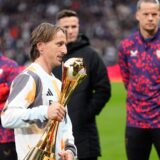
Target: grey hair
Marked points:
147	1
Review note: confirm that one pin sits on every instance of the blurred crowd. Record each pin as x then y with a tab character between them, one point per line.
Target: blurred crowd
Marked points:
105	22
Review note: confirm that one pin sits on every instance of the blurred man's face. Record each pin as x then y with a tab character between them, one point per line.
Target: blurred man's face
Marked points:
148	17
71	24
53	51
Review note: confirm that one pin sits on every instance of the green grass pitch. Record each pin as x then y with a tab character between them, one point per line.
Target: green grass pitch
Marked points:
111	125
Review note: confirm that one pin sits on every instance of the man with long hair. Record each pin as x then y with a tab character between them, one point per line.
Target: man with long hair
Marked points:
34	96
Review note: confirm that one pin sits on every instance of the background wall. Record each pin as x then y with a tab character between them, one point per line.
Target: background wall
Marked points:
105	22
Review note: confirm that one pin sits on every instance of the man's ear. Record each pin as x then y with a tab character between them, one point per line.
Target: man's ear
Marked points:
40	47
137	16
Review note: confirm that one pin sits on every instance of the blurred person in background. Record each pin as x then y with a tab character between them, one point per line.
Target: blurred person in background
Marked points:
34	96
139	60
8	71
91	95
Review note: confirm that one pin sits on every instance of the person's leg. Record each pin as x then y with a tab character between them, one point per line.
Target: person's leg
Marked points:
91	158
7	151
156	139
138	143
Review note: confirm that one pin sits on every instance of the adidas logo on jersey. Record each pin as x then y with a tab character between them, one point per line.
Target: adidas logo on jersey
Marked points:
49	93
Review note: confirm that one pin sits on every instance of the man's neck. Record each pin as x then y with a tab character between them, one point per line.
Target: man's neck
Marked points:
44	65
147	34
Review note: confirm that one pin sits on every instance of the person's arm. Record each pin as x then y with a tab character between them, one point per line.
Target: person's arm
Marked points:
16	112
4	91
123	65
100	85
11	71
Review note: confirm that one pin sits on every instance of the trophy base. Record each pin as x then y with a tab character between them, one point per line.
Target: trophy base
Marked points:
38	154
48	158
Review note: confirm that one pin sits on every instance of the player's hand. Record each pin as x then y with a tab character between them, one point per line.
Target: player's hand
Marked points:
66	155
56	111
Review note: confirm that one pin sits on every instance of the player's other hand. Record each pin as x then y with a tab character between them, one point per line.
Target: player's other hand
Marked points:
66	155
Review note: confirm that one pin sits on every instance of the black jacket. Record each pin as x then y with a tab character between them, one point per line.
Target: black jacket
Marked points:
88	98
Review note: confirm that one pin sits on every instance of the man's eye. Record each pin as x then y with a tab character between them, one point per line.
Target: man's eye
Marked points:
66	27
154	14
74	26
145	14
60	44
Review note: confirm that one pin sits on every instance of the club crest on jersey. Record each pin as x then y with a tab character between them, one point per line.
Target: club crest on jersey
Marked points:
158	54
133	53
1	71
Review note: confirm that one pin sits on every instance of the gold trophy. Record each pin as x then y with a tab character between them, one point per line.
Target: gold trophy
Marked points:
73	72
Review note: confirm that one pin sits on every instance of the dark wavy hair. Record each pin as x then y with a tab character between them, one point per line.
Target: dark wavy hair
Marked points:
66	13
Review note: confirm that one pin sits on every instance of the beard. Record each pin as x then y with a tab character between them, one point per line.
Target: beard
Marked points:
149	31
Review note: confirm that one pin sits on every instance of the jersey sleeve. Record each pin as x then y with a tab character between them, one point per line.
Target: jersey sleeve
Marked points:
12	70
123	63
17	112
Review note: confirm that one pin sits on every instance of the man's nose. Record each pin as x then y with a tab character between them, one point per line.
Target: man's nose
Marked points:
64	49
150	17
69	30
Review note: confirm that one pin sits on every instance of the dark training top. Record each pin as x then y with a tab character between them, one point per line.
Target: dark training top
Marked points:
88	99
139	61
